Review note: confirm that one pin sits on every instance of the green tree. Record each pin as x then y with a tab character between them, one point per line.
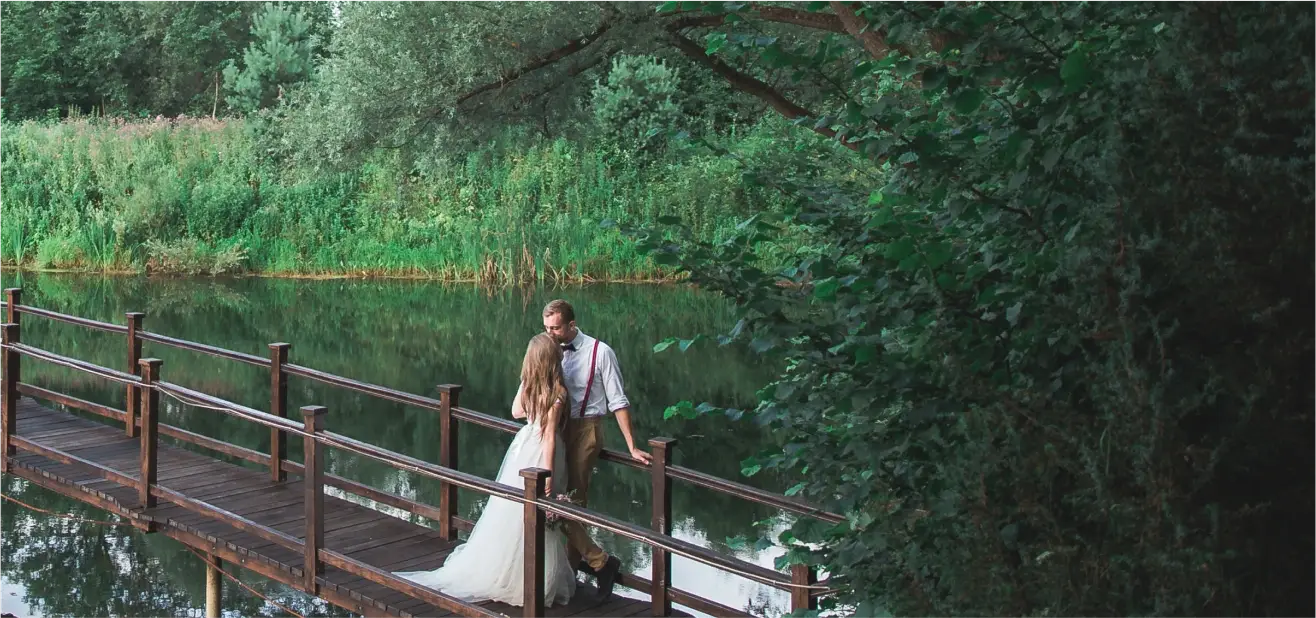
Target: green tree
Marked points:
420	77
1035	350
282	52
638	99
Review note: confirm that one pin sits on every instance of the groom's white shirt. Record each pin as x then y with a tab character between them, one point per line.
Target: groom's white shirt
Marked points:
607	395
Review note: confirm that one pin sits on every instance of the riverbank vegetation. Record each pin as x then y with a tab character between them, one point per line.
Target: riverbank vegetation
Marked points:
192	196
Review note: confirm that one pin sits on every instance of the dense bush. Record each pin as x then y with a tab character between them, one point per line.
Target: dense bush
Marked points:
1053	354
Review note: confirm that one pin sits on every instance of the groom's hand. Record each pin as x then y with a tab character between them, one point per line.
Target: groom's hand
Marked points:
641	456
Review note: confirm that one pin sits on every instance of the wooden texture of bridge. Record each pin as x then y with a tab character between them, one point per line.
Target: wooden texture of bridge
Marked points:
276	519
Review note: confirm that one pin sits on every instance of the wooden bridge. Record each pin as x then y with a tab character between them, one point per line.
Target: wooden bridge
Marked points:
275	518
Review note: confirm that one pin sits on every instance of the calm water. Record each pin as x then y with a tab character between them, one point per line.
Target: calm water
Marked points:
406	335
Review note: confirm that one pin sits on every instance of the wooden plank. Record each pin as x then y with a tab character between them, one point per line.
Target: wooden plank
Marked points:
348	564
25	444
234	519
251	504
107	505
215	481
72	402
427	562
372	551
349	527
34	413
33	424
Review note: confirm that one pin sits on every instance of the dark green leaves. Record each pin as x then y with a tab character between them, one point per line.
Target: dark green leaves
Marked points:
968	101
1075	71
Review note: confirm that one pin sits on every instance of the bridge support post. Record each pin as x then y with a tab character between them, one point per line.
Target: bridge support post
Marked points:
532	604
9	398
133	401
150	432
278	407
313	482
662	523
449	395
802	598
214	586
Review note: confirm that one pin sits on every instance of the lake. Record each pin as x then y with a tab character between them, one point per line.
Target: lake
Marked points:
408	335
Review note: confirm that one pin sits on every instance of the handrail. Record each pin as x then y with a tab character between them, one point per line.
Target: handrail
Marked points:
701	479
654	539
69	319
382	392
73	363
564	509
203	348
461	479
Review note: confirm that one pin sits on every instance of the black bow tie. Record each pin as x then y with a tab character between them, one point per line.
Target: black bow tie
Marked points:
568	347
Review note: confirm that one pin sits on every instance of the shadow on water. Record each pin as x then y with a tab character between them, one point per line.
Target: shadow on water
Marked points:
402	334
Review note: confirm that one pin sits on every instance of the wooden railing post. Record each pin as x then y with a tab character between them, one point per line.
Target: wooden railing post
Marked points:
533	599
9	413
449	395
802	598
662	523
13	297
134	355
150	426
278	407
313	482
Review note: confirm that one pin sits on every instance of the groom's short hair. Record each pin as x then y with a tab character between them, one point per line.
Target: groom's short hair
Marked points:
560	307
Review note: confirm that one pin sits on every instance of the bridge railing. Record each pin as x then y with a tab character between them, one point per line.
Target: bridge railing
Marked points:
143	385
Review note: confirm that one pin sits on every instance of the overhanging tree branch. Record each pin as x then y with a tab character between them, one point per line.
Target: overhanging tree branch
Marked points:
539	62
873	41
777	14
750	85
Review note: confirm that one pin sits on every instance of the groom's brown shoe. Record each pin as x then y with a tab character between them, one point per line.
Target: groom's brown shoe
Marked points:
584	567
608	577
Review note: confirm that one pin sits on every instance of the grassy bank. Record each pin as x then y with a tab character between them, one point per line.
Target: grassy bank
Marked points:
194	196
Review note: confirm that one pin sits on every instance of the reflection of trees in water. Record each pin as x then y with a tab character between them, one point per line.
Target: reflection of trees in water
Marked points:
71	568
412	336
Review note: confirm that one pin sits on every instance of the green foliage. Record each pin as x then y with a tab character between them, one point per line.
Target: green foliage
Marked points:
1033	348
195	196
280	54
120	58
636	102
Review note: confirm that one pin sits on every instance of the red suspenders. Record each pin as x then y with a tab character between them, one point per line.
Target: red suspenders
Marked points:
593	357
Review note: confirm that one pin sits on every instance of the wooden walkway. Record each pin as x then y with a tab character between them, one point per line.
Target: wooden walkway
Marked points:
361	533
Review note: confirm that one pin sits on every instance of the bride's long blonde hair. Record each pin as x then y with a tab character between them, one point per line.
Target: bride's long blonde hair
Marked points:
542	383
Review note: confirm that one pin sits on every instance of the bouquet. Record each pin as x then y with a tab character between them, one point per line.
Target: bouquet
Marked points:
554	521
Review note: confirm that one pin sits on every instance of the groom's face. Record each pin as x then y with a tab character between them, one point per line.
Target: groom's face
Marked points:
560	330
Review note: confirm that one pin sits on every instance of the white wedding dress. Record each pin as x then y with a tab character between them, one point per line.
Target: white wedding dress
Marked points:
489	565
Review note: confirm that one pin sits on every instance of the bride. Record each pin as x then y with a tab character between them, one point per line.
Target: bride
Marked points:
489	566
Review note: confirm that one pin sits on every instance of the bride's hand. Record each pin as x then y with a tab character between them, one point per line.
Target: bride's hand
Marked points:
548	487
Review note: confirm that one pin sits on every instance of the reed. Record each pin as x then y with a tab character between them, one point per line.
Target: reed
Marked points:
192	196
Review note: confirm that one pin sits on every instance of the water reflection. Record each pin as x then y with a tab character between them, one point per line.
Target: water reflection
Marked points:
406	335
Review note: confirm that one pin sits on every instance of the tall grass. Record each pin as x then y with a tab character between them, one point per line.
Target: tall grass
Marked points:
194	196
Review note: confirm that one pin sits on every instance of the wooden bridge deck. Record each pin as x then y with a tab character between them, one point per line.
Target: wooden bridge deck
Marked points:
359	532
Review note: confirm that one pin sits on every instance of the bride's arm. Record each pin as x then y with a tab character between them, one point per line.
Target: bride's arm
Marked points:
517	410
550	443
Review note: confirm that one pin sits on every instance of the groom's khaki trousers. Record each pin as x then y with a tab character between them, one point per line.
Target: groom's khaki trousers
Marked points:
584	442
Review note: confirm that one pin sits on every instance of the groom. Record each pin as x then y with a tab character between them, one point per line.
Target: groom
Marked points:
594	382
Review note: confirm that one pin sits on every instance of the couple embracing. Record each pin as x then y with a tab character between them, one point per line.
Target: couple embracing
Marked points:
569	383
